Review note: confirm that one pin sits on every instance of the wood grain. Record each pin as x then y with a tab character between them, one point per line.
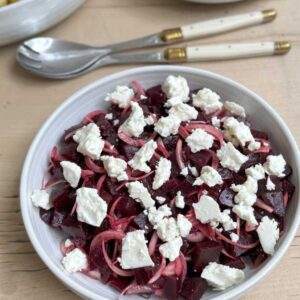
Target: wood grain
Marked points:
27	101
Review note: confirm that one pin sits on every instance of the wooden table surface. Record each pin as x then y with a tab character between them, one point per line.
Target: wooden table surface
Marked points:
26	102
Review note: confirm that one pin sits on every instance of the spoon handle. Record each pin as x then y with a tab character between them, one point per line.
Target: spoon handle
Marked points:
196	30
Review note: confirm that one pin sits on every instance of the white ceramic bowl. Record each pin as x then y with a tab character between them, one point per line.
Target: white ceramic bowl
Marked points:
28	17
46	240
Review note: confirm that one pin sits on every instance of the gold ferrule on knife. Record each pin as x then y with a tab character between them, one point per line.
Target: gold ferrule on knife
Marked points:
171	35
282	47
269	15
174	55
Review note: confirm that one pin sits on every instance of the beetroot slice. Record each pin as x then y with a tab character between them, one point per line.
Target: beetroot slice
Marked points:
193	288
171	287
204	253
226	198
142	222
47	215
275	199
233	263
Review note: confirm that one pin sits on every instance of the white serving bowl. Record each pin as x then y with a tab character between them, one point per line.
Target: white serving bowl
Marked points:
28	17
46	240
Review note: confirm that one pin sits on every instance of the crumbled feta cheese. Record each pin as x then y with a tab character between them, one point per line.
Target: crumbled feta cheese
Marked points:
234	237
135	123
179	200
215	121
207	100
167	229
226	221
75	261
230	157
171	249
173	101
135	253
176	86
184	172
275	165
209	176
71	172
236	131
250	185
184	225
89	141
199	139
144	154
156	215
115	167
116	122
68	243
270	185
160	199
193	170
257	172
268	234
222	277
245	213
207	210
184	112
140	194
235	109
40	198
90	208
162	173
149	120
109	116
166	126
245	197
121	96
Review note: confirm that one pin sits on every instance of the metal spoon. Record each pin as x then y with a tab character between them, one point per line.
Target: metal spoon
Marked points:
49	57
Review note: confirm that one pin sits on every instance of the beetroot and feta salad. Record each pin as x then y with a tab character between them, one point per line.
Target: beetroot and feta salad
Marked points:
166	192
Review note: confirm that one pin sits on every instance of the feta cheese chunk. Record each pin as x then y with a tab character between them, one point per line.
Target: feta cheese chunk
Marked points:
140	194
167	229
173	101
227	222
156	215
162	173
179	200
135	123
144	154
91	208
193	170
239	133
216	122
199	139
160	199
234	237
89	141
184	172
270	185
250	185
245	197
222	277
115	167
246	213
207	210
257	172
176	86
71	172
209	176
149	120
184	112
135	253
121	96
166	126
75	261
268	234
40	198
235	109
184	225
275	165
109	116
171	249
207	100
230	157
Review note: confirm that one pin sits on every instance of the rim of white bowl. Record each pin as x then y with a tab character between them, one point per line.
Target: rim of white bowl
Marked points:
234	292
